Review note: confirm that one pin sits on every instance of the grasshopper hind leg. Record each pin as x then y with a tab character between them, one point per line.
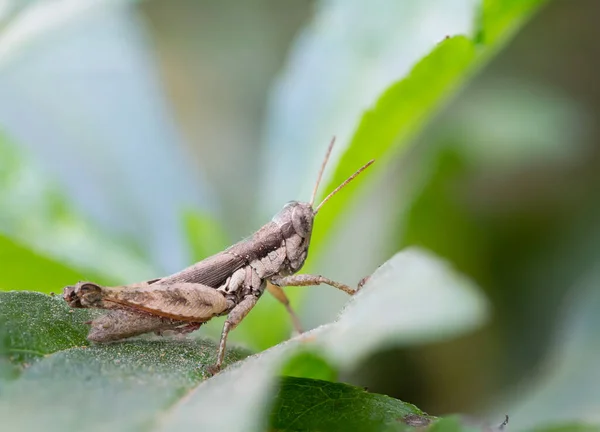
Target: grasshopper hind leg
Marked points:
120	324
187	328
279	294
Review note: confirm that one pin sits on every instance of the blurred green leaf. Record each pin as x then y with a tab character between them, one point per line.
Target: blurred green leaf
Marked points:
422	299
453	424
459	238
401	111
307	404
23	23
36	216
155	384
310	365
23	269
407	105
500	19
205	235
567	389
573	427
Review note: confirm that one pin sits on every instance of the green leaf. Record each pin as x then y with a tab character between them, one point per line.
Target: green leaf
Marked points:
125	386
502	18
401	111
34	325
23	269
160	384
307	404
407	105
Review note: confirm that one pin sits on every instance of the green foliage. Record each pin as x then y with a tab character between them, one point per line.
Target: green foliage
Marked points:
155	383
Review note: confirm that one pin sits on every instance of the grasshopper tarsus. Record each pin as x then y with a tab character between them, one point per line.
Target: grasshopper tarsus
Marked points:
212	370
362	282
228	283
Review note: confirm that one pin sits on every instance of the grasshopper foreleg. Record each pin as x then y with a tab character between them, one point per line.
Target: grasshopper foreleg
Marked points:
307	280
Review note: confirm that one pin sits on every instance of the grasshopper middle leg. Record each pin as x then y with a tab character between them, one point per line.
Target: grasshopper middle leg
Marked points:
237	314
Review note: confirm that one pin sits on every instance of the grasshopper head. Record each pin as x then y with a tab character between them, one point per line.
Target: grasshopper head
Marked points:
82	294
296	218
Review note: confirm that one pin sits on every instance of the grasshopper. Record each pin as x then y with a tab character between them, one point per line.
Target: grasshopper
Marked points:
228	283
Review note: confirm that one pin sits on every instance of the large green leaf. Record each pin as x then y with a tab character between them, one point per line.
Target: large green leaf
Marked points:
160	384
125	386
407	105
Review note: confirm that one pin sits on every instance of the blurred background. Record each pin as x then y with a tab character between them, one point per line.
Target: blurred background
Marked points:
138	137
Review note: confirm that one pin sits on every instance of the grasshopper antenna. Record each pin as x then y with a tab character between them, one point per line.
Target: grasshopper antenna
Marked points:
348	180
314	194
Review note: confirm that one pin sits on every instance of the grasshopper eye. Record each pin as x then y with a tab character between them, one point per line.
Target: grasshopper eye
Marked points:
88	287
302	220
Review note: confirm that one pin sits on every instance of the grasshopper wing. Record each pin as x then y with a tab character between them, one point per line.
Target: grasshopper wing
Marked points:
178	301
212	271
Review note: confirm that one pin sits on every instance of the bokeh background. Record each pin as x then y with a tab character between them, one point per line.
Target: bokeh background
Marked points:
138	137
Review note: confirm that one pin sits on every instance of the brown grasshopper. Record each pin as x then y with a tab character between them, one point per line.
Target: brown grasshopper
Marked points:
228	283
